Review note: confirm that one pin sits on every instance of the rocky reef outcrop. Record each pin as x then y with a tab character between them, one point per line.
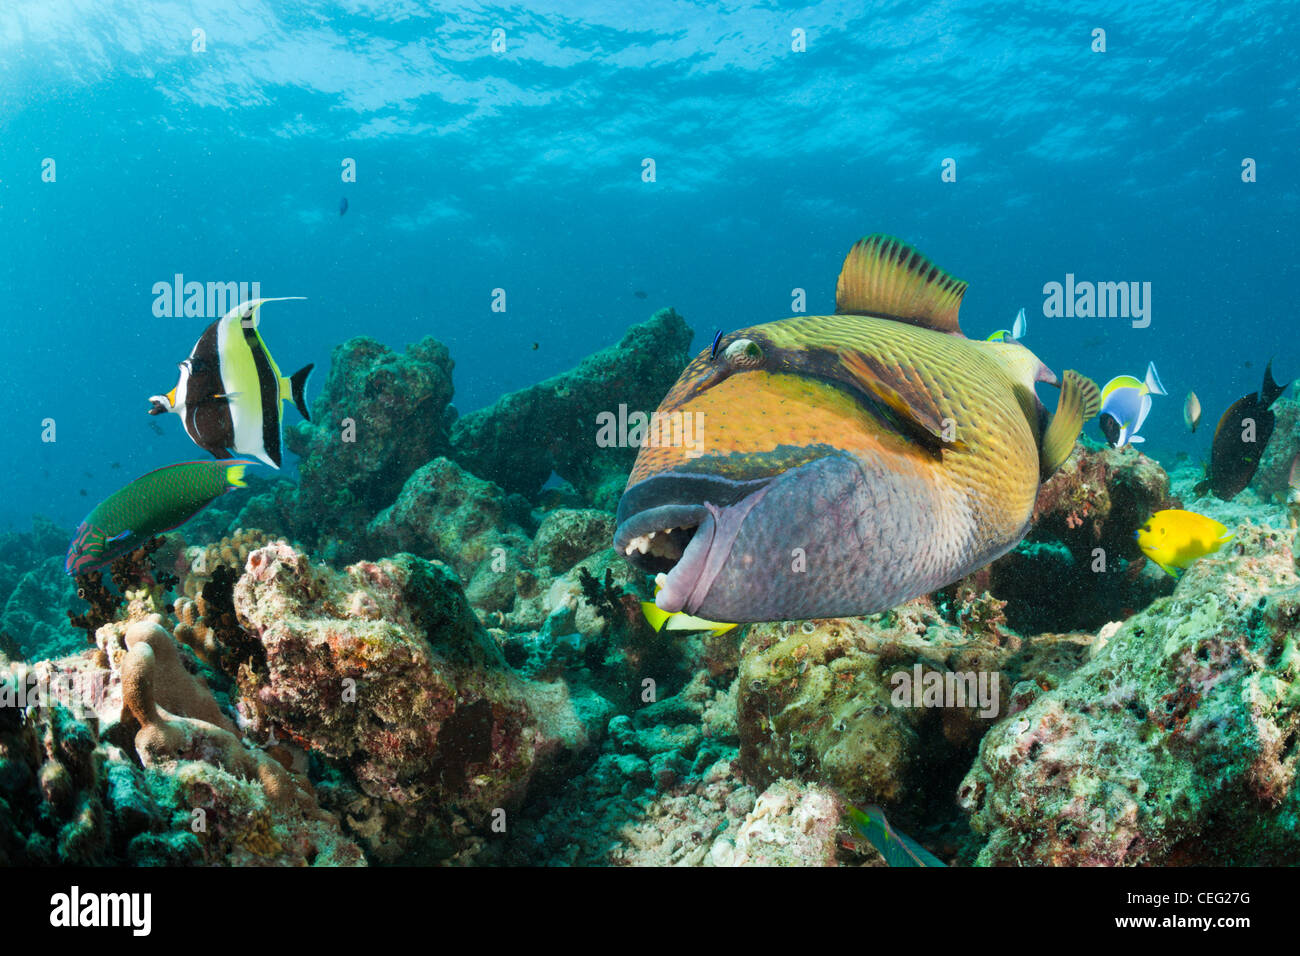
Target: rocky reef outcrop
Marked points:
1174	743
1079	567
382	414
385	668
1272	480
552	426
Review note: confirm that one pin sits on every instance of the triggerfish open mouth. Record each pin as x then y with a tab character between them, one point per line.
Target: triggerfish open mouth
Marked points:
687	544
843	464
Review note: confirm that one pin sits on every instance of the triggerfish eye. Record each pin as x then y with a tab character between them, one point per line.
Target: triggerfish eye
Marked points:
743	353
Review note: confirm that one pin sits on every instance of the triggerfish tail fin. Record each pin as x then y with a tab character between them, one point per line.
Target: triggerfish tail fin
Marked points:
1080	401
886	277
897	848
1153	383
1271	390
298	389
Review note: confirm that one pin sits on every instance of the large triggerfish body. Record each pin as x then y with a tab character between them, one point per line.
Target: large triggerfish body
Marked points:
846	463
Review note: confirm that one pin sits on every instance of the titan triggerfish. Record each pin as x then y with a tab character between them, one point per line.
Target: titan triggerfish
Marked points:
843	464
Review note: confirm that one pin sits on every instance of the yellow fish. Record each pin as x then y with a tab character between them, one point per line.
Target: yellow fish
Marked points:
842	464
1174	539
661	620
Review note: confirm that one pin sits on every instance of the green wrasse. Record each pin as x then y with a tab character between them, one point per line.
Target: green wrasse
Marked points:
898	849
152	504
846	463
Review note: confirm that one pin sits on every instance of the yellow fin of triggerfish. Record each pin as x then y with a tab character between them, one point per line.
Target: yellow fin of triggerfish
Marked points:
677	621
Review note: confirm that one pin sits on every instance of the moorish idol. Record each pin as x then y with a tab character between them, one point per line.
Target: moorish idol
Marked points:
230	389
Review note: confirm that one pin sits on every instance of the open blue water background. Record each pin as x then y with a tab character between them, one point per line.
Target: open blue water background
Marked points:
522	170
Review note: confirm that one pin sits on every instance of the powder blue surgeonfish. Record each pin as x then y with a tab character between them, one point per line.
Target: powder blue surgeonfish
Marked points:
1125	402
1014	334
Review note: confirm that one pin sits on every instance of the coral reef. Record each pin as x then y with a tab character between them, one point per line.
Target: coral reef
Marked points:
1271	481
820	701
491	692
34	591
446	513
1175	743
97	771
551	427
380	416
1079	566
386	668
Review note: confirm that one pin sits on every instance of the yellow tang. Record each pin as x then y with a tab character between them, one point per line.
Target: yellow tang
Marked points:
1174	539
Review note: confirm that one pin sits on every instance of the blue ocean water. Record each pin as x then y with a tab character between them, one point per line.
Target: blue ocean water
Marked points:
503	147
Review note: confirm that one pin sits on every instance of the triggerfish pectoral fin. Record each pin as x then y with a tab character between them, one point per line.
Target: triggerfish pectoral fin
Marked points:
915	413
1080	400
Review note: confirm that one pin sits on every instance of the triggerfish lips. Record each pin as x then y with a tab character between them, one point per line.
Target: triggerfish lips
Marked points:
688	543
793	546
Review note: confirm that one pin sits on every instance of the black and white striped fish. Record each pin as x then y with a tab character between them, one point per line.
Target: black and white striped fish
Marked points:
230	389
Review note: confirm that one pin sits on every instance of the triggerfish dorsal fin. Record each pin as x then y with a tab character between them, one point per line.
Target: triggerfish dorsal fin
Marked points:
298	388
1080	401
886	277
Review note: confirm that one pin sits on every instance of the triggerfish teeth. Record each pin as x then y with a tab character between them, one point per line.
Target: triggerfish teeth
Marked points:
661	543
854	461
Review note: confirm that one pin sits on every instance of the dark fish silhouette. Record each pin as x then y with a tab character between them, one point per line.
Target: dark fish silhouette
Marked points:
534	346
639	294
343	205
1240	439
